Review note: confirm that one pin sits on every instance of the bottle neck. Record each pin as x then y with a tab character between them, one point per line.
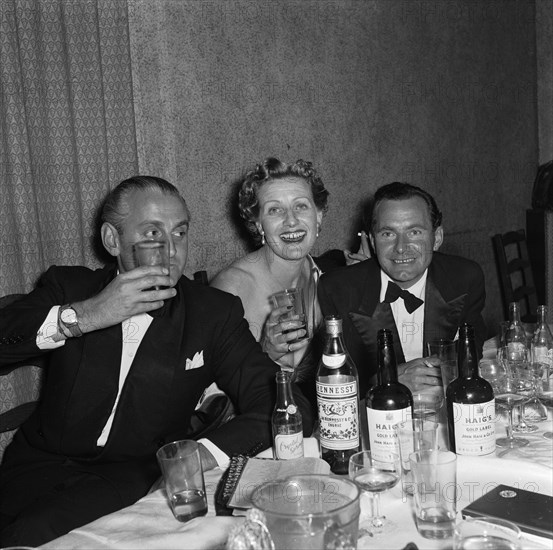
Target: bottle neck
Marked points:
334	344
284	393
514	314
542	315
467	358
387	366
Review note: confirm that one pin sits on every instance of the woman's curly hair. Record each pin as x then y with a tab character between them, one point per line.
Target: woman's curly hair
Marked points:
273	169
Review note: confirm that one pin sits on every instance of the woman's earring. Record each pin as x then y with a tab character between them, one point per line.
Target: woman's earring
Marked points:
318	229
262	237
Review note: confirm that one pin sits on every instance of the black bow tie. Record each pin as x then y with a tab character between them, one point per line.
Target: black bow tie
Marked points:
393	292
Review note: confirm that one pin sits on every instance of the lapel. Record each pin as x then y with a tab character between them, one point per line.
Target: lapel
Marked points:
373	316
441	316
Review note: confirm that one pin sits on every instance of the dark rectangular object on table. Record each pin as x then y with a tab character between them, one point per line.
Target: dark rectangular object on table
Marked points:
532	512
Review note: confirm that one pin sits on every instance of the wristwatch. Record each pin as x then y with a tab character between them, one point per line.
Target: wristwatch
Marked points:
67	318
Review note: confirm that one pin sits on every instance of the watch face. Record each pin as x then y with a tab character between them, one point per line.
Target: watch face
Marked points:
69	316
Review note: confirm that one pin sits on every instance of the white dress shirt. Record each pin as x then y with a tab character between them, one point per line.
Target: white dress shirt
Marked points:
410	326
133	330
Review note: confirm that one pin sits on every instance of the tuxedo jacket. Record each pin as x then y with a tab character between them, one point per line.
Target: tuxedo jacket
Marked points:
455	294
200	324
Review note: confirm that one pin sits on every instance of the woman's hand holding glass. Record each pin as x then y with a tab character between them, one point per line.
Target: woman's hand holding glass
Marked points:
283	336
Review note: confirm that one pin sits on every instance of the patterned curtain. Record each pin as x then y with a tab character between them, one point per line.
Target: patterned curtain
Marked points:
67	132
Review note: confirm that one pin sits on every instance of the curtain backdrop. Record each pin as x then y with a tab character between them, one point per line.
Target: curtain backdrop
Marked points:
67	132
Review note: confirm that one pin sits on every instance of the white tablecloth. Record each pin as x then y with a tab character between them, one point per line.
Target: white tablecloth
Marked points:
149	523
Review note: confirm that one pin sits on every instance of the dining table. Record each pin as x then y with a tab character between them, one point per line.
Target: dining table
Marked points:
150	524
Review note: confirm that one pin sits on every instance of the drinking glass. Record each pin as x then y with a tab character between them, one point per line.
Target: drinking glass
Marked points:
486	533
547	392
435	492
427	405
415	434
374	475
446	352
311	511
490	369
533	410
148	253
183	475
506	392
516	369
525	381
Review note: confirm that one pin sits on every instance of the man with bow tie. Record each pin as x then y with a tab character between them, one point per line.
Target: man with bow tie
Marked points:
410	288
130	351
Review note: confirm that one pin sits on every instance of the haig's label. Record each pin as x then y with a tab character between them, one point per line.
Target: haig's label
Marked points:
288	446
382	434
474	428
338	415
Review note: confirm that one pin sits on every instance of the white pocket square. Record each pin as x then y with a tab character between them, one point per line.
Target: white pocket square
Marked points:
196	362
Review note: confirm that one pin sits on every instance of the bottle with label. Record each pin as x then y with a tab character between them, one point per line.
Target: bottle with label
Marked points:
389	402
542	342
470	403
337	399
515	337
287	424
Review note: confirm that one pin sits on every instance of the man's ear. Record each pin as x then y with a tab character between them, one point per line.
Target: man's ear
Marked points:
371	240
110	239
438	238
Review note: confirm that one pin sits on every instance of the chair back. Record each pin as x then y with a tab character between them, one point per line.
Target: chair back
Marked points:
201	277
515	274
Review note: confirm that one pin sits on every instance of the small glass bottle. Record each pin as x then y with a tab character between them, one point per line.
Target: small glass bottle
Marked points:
542	342
337	389
287	422
389	402
515	337
470	403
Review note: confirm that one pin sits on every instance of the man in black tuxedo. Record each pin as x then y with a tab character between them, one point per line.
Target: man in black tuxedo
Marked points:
127	365
444	291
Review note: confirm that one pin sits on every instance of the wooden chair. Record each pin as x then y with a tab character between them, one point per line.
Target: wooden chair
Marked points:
515	274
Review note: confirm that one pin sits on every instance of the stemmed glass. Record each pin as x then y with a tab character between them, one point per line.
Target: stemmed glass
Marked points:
375	473
506	390
533	410
548	377
516	368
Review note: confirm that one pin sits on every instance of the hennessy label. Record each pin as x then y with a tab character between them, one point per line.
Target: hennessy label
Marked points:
474	428
338	415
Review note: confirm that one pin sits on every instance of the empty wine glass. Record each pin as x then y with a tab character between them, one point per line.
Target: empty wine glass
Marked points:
524	377
533	410
547	391
506	390
516	369
375	473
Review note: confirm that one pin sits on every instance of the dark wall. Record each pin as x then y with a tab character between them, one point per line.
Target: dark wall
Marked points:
438	93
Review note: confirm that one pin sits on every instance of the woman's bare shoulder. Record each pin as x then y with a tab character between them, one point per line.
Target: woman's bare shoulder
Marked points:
237	277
